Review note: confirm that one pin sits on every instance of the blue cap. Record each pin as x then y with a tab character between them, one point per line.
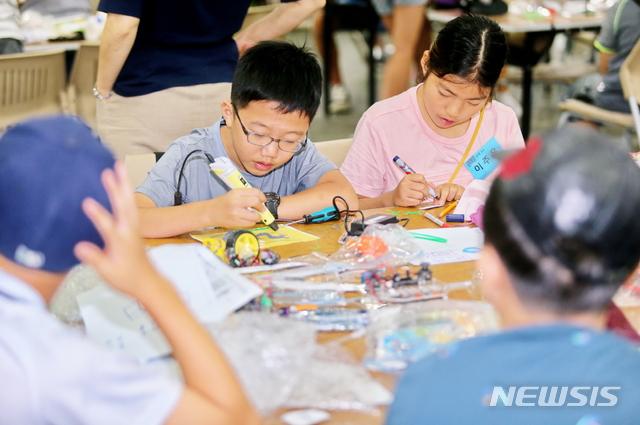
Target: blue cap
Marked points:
47	167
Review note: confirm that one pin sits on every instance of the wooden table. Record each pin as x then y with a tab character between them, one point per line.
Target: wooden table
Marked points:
539	35
328	244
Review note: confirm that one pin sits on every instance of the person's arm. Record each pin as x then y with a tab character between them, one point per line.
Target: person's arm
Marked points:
212	393
320	196
115	44
284	18
608	40
603	64
230	210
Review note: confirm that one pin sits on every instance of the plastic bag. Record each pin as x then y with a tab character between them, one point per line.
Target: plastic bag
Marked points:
334	380
389	244
268	354
64	304
397	336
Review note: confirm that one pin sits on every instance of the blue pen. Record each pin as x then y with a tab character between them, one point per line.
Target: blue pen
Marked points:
408	170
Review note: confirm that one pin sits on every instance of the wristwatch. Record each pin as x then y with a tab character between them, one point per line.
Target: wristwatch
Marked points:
273	202
98	96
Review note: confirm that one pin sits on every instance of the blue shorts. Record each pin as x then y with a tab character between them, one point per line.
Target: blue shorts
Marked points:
385	7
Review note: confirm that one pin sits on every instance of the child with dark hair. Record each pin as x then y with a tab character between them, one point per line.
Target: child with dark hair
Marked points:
443	128
561	236
263	130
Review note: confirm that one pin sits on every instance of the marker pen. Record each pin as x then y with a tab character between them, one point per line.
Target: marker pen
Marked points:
229	174
436	220
408	170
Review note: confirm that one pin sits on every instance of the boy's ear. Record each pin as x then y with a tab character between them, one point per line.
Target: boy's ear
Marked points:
423	62
227	112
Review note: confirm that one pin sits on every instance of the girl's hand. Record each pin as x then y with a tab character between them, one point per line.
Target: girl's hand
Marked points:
411	190
449	192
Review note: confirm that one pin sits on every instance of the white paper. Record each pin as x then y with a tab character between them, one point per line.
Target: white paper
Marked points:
189	266
119	322
463	244
210	289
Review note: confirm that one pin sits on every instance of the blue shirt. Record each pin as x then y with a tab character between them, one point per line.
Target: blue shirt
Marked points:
302	172
179	43
458	384
52	374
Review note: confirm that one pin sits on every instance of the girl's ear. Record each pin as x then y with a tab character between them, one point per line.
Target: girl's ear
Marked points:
423	62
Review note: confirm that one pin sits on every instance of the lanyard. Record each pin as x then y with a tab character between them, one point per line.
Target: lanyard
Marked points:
466	153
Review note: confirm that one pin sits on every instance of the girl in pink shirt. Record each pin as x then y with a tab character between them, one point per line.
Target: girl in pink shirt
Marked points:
445	128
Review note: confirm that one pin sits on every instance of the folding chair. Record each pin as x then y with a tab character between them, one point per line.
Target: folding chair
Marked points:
335	150
630	79
31	84
138	166
83	76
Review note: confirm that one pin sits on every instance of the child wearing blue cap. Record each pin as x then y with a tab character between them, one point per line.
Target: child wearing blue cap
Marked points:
54	208
561	235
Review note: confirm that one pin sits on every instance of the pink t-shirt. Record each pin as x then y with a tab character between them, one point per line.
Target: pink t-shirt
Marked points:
395	126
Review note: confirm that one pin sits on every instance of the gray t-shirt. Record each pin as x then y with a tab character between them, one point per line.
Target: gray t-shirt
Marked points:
619	33
199	184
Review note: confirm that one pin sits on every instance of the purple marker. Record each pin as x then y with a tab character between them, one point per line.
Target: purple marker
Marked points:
408	170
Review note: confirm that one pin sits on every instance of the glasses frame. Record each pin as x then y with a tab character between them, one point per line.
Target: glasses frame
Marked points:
299	146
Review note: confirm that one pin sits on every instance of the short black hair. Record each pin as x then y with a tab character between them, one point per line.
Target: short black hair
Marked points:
281	72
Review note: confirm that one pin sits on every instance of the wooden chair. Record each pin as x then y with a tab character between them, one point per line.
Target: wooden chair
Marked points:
138	166
630	79
83	76
335	150
31	84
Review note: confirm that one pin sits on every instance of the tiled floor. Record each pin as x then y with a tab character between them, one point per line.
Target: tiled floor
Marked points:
354	73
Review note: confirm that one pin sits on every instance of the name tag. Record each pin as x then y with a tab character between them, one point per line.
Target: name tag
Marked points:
482	163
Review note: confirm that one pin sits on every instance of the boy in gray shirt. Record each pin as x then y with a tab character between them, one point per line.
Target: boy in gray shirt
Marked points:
263	130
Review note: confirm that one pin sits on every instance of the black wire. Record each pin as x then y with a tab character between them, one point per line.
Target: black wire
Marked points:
346	212
177	196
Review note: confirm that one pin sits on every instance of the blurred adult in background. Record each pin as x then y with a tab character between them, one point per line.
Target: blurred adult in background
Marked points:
10	35
58	8
340	97
410	32
164	68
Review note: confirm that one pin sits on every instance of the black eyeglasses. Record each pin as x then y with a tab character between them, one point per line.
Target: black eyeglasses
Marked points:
260	139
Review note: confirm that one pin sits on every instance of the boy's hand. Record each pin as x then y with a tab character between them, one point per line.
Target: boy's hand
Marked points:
123	261
411	190
449	192
232	209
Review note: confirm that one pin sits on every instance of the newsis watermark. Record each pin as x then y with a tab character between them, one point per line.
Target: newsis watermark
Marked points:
554	396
